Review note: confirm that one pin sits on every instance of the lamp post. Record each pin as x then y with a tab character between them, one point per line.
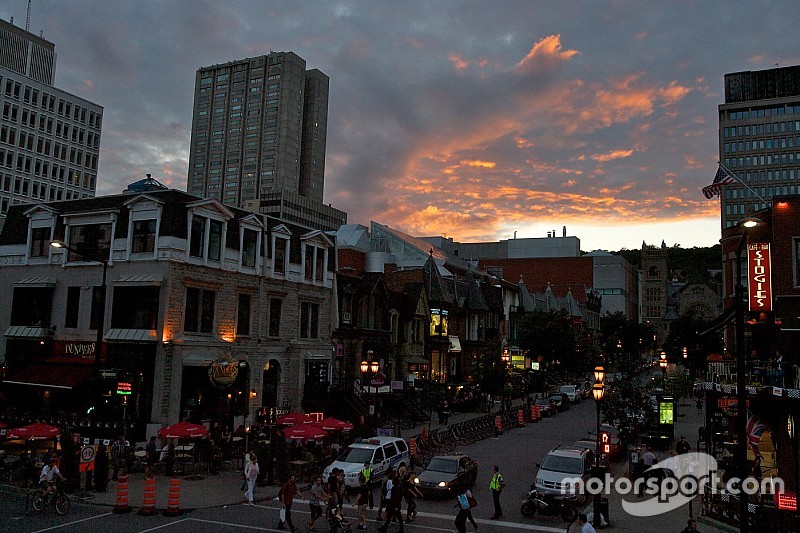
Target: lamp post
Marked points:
368	370
663	364
741	364
791	426
598	391
102	299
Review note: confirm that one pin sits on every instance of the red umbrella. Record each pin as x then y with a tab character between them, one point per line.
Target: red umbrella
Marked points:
304	432
334	424
3	426
294	418
34	432
183	430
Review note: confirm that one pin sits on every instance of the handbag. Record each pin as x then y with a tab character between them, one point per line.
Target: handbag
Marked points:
472	502
282	514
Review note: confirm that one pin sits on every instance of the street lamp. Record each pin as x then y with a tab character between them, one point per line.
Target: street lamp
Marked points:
598	391
741	364
663	364
101	298
368	370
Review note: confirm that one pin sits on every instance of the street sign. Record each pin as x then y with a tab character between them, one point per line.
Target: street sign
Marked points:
87	459
124	388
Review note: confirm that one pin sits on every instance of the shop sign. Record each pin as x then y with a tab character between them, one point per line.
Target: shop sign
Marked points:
786	501
124	388
759	277
223	373
73	352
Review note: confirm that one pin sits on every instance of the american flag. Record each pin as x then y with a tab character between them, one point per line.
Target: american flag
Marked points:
754	431
723	177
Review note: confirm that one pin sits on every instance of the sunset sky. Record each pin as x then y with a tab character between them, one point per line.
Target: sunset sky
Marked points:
468	119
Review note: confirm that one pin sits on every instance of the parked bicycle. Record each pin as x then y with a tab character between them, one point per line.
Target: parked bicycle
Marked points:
58	498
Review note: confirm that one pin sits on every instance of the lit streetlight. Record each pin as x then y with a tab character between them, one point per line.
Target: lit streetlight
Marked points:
598	391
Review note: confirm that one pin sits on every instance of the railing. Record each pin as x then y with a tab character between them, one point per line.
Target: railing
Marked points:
759	373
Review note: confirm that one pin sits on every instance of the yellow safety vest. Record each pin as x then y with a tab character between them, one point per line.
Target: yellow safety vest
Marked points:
367	473
496	480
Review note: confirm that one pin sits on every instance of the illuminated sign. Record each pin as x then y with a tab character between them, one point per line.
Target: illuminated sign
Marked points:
223	373
785	501
759	277
124	388
606	445
438	322
666	414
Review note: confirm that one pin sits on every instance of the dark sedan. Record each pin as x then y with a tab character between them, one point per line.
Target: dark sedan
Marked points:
447	475
547	406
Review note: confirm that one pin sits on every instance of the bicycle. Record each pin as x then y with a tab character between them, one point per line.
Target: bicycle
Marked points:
59	499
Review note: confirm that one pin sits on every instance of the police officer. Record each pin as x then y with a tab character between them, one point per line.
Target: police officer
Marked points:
366	471
496	486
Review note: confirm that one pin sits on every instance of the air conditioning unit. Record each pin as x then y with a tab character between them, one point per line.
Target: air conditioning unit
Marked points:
345	317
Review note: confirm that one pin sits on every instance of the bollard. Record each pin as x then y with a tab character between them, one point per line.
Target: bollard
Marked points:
122	495
538	412
149	501
174	498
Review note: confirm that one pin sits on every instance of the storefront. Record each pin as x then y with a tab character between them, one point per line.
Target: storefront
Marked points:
217	393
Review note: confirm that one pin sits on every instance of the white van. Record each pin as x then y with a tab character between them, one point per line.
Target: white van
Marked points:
572	392
561	469
382	452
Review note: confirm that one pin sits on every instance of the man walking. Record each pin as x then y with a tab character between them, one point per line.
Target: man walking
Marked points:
287	494
394	499
496	486
586	527
318	496
118	456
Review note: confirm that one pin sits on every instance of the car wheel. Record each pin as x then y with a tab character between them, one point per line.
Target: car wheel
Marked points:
528	509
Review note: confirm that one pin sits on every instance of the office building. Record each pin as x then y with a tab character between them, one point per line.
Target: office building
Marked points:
759	130
259	130
49	139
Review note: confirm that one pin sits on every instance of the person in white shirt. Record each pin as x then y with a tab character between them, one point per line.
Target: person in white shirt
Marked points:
586	527
48	476
251	474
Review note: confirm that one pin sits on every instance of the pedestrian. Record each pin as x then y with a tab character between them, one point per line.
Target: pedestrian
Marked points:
683	446
384	503
251	474
691	526
586	527
649	458
367	471
247	460
342	496
699	405
410	493
318	495
151	452
364	497
496	486
118	456
394	499
465	504
287	493
445	412
638	474
333	491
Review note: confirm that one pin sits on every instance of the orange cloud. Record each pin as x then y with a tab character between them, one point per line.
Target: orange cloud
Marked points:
458	62
547	49
616	154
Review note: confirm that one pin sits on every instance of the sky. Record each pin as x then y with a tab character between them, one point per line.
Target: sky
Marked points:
473	120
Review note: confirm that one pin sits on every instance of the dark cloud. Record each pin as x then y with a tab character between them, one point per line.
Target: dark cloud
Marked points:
473	119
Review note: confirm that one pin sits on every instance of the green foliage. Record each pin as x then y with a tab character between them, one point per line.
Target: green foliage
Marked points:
281	454
69	460
685	331
552	336
492	371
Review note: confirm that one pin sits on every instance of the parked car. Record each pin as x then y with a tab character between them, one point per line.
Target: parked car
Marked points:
383	452
447	475
572	392
591	445
547	406
561	400
610	437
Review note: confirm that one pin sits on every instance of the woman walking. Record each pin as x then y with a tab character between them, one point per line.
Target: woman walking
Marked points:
251	473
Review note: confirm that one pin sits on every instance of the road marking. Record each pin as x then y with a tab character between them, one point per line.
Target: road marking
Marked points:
220	523
165	525
73	522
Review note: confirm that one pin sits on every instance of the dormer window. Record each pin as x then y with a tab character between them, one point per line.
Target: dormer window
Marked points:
280	255
207	236
144	236
197	244
92	241
40	242
249	248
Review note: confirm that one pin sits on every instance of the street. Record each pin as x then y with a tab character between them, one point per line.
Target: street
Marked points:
516	453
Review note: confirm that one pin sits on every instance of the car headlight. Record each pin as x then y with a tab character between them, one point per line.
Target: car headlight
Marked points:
539	482
352	475
416	481
442	483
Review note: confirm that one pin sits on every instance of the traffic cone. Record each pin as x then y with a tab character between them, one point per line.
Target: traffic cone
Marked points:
538	413
520	417
174	498
149	502
533	413
122	495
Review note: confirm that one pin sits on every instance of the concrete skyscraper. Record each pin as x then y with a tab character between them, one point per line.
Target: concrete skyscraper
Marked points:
49	139
259	130
759	139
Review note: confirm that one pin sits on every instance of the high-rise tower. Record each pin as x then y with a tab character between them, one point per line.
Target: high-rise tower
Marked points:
258	138
759	139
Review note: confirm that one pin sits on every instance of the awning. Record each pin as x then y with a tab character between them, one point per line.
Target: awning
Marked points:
311	356
29	332
138	279
455	343
720	322
200	358
63	377
131	335
36	282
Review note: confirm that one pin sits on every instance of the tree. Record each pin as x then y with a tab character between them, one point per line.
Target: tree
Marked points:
551	335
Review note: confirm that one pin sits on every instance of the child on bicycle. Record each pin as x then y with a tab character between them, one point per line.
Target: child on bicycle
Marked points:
47	478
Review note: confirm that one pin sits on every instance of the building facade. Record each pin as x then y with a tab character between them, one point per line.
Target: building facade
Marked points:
759	139
209	313
259	130
654	289
49	139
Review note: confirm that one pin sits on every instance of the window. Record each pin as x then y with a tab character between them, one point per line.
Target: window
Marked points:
198	237
320	264
135	307
280	255
215	240
31	306
243	315
274	317
40	242
144	236
93	242
309	263
309	320
249	244
199	310
73	307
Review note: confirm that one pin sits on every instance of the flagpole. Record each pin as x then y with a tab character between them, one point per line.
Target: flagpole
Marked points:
734	176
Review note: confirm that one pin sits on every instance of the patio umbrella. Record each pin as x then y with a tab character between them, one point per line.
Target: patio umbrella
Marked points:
183	430
294	418
36	431
3	426
304	432
333	424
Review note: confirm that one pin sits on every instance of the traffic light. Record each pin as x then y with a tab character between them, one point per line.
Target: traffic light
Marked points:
605	442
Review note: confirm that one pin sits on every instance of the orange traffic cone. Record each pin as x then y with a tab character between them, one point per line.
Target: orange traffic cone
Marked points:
520	417
122	495
149	502
174	498
538	413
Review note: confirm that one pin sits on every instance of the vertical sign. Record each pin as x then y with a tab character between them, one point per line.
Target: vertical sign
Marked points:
759	277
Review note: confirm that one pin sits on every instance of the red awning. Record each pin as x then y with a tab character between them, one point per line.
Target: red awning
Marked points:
51	376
